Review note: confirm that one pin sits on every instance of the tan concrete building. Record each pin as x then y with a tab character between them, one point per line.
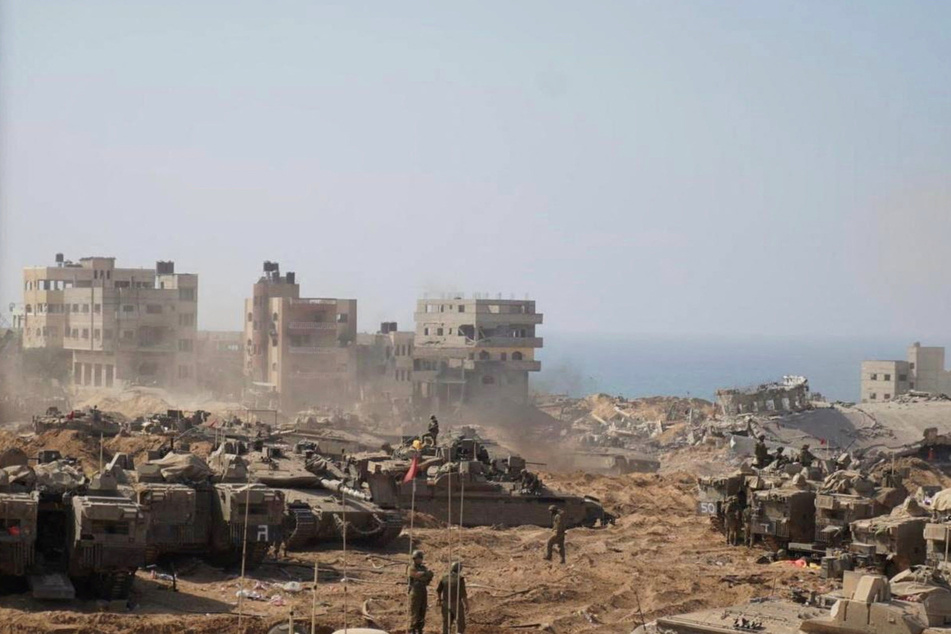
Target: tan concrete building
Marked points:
884	380
300	350
385	361
466	350
219	360
117	326
922	371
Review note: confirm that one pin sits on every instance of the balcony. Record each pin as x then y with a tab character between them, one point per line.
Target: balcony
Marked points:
509	342
314	350
480	319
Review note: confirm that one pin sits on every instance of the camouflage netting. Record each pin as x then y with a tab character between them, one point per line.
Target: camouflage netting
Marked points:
909	508
180	467
57	477
849	482
941	502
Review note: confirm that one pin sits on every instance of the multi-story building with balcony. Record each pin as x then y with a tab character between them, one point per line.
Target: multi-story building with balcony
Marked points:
115	326
300	350
466	350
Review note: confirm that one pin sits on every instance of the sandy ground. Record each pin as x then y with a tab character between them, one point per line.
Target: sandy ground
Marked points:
659	559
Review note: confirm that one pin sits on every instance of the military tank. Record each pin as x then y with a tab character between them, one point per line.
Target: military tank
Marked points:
90	421
320	505
480	491
784	517
189	514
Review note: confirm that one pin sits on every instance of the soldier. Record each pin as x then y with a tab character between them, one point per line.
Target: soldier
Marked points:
419	577
780	458
805	456
761	452
558	534
731	516
748	526
451	596
433	429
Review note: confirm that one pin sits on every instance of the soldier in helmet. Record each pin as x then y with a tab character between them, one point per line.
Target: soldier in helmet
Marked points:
805	456
761	452
419	577
732	519
452	597
433	430
558	533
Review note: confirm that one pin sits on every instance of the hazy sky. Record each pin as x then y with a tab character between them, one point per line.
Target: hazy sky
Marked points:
651	167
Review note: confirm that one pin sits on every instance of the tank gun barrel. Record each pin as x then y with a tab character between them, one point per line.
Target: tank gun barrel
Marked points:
341	487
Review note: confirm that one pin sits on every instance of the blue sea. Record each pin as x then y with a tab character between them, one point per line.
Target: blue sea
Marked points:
632	366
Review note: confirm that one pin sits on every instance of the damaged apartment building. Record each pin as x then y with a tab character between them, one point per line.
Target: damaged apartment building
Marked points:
385	361
789	395
921	371
466	350
298	351
113	326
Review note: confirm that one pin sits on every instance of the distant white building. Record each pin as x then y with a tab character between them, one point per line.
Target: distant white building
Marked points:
923	371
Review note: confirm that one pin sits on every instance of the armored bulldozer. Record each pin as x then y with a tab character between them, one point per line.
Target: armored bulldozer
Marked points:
188	514
320	504
891	543
480	492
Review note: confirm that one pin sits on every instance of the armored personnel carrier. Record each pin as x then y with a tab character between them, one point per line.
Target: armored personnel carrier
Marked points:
498	492
106	535
319	503
785	516
714	491
869	604
188	514
847	496
937	531
891	543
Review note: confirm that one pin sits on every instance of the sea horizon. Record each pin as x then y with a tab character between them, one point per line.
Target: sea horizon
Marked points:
650	365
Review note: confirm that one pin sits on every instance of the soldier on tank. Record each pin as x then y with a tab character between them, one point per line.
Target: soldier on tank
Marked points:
558	534
433	430
419	577
452	597
805	456
761	452
780	458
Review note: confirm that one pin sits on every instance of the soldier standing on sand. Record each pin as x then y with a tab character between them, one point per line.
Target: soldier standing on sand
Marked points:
732	520
558	534
452	597
419	577
748	526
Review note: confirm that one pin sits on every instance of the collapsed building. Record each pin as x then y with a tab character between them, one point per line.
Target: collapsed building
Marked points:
789	395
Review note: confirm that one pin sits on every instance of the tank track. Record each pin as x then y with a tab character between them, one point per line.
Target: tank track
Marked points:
256	553
392	527
114	586
300	526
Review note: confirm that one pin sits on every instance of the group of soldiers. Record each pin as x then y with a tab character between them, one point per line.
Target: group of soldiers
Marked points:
779	458
451	595
737	514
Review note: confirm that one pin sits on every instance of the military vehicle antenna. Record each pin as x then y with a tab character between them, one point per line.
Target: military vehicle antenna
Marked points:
346	581
244	545
462	499
313	604
449	536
